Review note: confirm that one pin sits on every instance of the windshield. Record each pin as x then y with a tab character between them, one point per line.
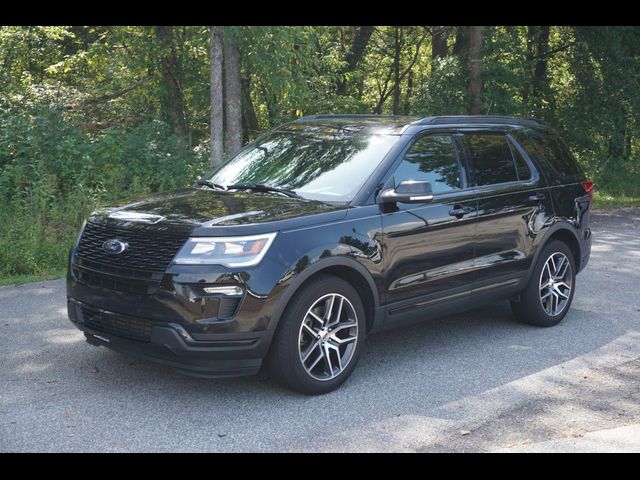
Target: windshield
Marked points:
326	164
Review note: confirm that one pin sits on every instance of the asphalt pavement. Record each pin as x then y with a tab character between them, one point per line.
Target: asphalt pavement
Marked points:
477	381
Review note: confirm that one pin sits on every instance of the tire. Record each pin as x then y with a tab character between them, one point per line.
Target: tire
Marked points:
293	359
542	303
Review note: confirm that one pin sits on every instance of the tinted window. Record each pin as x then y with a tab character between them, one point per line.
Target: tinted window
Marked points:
321	163
491	158
549	149
432	158
522	169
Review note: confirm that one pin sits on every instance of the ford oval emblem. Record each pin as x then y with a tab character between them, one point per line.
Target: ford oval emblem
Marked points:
114	246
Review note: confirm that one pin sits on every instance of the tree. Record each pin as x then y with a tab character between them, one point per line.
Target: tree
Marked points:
353	57
171	92
217	109
232	93
540	80
475	59
439	48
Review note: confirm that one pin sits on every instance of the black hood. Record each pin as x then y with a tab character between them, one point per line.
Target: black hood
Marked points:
209	208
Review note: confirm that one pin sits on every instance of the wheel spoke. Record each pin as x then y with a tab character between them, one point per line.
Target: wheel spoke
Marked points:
343	326
546	295
342	341
337	350
316	317
328	310
310	351
327	359
559	265
320	357
338	314
310	330
554	302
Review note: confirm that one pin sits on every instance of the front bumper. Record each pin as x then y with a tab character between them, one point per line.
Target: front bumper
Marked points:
176	323
211	355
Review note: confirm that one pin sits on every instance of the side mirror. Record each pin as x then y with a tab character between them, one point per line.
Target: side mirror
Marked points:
409	191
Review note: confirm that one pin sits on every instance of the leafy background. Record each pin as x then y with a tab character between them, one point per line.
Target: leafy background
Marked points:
86	113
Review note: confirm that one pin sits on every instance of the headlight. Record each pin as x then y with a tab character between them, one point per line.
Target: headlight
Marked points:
227	251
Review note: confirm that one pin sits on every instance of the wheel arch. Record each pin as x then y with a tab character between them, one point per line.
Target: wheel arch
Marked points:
342	267
564	232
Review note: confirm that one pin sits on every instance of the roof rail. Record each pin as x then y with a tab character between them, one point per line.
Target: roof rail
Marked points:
467	119
348	115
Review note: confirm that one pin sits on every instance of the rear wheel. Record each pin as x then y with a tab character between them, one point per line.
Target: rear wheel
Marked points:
547	298
320	336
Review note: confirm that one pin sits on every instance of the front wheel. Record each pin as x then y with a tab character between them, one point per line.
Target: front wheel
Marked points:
320	336
547	298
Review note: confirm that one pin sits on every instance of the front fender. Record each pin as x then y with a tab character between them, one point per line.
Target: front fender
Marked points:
304	269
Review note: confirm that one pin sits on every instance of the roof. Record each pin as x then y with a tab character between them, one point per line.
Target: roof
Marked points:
397	123
391	124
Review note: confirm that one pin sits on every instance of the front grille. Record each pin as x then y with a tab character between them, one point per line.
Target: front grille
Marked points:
132	328
149	249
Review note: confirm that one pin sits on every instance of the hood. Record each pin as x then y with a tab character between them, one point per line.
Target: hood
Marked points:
210	209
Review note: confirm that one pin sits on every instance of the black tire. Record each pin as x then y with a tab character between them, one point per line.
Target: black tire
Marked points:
530	309
284	363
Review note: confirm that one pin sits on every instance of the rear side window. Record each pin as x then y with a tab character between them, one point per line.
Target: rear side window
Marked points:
491	158
550	150
432	158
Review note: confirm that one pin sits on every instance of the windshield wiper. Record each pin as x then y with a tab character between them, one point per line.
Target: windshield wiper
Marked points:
262	188
207	183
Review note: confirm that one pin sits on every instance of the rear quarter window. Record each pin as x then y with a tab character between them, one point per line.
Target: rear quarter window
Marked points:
551	152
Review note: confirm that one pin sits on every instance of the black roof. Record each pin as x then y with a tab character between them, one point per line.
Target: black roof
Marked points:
399	121
392	124
485	119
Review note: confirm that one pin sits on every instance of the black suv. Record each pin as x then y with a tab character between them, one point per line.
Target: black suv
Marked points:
330	228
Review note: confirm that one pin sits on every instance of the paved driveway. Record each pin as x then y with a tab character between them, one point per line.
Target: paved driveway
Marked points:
471	382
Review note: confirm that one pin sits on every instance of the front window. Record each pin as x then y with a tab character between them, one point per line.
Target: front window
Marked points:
320	163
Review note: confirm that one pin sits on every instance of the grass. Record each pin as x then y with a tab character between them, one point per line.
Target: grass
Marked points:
601	200
605	200
32	277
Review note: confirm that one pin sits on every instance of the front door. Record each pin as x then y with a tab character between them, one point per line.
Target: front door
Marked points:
429	248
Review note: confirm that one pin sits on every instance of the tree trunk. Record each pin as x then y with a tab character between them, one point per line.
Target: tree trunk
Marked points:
396	70
475	59
407	102
540	80
353	57
439	46
250	125
526	90
232	95
171	97
461	43
217	115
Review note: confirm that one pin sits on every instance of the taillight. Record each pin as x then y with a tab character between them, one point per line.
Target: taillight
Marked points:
588	187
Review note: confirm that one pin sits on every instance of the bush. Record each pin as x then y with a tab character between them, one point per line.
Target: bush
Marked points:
52	174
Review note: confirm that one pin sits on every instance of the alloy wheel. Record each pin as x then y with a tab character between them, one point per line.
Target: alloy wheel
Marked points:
328	336
555	284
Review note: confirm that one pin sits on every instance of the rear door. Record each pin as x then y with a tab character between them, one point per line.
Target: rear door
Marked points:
513	205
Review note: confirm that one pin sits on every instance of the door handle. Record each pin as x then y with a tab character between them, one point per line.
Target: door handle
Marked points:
459	211
538	197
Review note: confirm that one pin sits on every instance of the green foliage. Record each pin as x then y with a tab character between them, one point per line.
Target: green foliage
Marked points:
433	99
52	175
84	118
